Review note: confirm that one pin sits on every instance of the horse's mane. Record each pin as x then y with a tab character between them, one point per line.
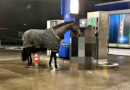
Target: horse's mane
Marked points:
62	24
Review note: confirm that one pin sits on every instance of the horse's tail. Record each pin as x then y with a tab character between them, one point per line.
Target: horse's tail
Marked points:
24	54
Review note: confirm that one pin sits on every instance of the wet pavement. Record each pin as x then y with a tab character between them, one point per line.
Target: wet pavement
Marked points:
15	75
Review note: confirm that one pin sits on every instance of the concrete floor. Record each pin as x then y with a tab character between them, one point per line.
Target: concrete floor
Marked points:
15	75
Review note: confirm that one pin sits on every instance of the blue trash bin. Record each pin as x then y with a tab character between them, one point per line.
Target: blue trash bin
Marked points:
64	51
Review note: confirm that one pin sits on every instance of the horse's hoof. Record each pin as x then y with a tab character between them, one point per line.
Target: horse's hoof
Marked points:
30	66
57	69
50	67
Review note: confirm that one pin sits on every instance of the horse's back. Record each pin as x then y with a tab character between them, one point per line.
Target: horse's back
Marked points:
31	32
41	38
31	37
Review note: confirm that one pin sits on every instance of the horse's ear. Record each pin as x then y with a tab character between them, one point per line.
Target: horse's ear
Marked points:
75	23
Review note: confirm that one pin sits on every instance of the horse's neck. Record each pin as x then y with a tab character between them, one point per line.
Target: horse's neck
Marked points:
62	30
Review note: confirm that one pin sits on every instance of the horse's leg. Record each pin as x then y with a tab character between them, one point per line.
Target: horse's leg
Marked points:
24	54
55	59
50	60
29	55
30	59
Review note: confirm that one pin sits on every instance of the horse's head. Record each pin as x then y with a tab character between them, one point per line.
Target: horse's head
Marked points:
75	29
62	28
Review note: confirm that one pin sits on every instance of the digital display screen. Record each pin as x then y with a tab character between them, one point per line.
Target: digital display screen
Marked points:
83	23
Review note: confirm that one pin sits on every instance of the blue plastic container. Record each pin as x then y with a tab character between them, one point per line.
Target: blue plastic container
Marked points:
64	51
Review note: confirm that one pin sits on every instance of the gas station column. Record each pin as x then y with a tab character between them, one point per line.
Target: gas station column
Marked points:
69	8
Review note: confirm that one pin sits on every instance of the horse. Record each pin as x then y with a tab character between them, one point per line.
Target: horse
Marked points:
35	40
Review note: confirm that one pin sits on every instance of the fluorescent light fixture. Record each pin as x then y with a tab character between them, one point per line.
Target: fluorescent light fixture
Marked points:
74	6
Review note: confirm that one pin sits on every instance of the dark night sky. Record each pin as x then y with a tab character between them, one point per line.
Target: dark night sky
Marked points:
25	14
21	15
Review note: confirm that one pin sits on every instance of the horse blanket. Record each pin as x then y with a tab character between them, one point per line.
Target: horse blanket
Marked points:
41	38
